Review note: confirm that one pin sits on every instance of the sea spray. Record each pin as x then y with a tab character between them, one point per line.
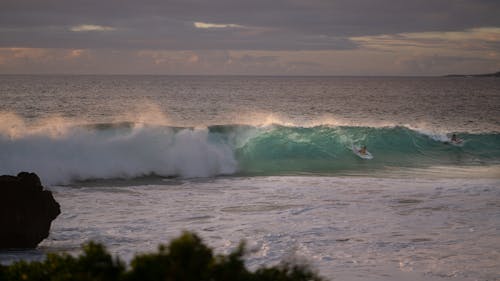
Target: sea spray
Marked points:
129	150
117	152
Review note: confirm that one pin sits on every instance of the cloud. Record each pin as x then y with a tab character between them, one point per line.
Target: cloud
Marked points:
444	64
248	37
205	25
234	24
243	62
91	27
476	43
473	50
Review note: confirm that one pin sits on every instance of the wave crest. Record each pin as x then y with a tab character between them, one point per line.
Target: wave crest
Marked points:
117	152
130	150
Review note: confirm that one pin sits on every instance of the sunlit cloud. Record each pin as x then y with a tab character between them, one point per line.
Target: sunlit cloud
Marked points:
74	54
12	57
469	39
27	53
483	33
91	27
207	25
472	50
362	61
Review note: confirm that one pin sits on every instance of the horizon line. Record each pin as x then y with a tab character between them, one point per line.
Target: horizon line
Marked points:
240	75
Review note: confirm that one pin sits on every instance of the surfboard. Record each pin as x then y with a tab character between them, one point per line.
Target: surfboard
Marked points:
457	142
355	149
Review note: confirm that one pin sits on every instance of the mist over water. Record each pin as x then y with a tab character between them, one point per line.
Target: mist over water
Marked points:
82	154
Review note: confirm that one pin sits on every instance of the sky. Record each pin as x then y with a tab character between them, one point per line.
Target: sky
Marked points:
250	37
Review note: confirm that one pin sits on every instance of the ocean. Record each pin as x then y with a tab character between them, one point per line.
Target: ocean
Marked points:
135	160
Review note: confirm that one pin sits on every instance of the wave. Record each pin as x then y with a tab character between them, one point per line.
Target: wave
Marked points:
325	149
129	150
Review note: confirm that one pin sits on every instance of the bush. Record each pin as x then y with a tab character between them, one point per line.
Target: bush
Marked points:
186	258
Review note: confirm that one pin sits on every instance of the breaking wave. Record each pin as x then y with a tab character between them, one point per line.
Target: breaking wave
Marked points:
129	150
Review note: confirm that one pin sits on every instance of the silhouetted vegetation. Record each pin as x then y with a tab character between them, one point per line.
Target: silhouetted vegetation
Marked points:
186	258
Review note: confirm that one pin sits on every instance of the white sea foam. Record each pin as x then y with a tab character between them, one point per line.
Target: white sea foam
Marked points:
348	228
437	136
82	153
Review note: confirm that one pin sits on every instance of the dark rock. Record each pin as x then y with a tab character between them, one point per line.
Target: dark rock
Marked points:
26	211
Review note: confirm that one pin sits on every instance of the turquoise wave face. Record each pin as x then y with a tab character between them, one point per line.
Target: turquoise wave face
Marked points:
324	149
129	150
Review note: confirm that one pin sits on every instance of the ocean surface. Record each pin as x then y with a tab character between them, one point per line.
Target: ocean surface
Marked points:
135	160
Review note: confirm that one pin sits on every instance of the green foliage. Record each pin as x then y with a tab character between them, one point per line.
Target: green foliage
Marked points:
285	272
186	258
95	264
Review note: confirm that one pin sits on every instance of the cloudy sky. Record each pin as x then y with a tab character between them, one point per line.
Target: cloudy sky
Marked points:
263	37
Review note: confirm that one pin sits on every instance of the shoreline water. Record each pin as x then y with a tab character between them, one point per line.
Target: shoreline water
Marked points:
351	227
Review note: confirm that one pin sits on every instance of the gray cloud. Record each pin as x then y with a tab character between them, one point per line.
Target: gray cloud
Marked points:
437	64
268	25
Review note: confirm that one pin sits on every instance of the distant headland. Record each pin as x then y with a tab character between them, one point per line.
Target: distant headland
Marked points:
496	74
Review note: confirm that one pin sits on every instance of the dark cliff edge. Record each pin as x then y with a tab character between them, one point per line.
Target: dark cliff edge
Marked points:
26	211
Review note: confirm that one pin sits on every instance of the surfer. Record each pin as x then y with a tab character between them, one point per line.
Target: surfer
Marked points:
362	150
456	141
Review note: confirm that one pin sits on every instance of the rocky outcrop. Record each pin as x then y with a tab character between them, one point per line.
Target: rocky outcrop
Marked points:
26	211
